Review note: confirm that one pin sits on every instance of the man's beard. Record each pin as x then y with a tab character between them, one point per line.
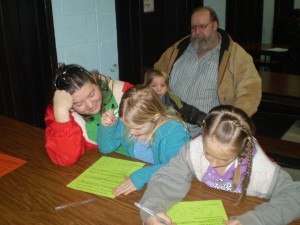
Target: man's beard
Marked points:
201	45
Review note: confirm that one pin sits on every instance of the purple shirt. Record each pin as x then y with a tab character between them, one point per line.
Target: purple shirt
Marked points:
224	182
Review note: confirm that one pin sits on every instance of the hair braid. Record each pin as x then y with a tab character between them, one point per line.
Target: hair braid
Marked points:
247	176
246	151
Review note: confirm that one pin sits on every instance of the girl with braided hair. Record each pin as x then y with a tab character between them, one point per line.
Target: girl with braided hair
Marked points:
227	157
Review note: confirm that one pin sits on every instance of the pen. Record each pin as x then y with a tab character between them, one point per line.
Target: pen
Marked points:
57	208
115	111
150	212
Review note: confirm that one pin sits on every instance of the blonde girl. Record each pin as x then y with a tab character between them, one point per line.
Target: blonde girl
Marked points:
146	131
159	82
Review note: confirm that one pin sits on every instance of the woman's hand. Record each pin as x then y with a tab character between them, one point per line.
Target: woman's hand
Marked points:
125	188
108	118
155	221
232	222
62	104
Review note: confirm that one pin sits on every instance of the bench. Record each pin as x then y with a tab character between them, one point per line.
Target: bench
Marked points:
285	153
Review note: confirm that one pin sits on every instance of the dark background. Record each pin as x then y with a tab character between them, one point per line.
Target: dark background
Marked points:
28	53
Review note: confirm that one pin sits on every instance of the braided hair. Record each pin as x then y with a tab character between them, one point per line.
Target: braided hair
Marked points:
232	126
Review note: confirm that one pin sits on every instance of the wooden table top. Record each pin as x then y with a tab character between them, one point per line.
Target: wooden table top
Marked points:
30	193
253	47
280	84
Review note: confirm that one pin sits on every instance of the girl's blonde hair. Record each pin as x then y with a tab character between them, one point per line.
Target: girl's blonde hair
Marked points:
229	125
139	105
153	73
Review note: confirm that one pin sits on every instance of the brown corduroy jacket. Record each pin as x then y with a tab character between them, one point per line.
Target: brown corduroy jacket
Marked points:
239	83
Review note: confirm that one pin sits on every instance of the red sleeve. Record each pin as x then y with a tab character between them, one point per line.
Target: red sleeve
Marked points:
65	143
126	86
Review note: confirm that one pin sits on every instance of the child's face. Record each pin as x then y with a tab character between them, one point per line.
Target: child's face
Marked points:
142	131
159	86
219	155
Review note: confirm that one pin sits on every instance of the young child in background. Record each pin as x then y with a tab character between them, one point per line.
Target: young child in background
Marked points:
159	82
226	157
146	131
73	117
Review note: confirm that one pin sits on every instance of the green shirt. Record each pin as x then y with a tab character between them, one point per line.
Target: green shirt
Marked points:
92	125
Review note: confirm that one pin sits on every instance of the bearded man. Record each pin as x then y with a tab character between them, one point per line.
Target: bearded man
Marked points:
207	68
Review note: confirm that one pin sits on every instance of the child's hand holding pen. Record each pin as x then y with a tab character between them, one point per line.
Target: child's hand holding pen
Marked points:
108	118
155	219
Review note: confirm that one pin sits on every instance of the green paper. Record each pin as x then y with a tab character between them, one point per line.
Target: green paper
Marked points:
104	175
208	212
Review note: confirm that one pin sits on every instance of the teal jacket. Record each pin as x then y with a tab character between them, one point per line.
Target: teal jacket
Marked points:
167	141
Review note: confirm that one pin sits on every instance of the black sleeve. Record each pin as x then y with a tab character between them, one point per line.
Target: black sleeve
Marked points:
191	114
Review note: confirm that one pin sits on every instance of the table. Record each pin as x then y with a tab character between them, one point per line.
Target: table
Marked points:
281	99
280	84
30	193
285	153
281	93
268	56
263	48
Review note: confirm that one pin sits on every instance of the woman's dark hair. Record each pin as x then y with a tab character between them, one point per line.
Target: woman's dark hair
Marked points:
72	77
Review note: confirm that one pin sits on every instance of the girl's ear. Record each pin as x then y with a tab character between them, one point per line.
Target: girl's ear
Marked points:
156	117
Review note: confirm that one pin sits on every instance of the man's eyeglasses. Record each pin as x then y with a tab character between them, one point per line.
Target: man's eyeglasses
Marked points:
61	80
200	27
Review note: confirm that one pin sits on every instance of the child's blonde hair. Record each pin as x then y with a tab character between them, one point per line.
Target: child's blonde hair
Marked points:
139	105
230	125
153	73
